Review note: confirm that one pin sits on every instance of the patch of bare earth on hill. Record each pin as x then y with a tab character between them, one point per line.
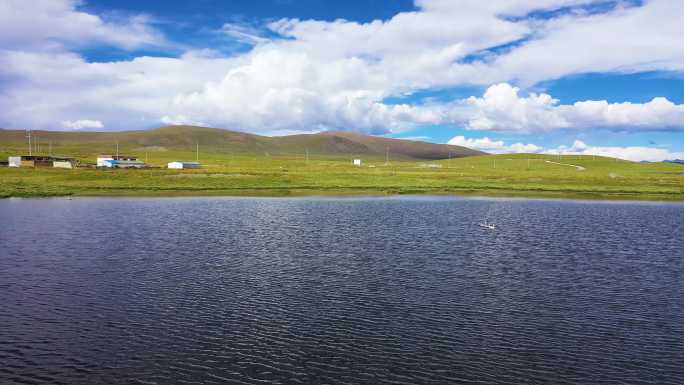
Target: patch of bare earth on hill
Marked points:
151	149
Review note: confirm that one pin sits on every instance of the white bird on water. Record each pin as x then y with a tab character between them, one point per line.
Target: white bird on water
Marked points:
488	226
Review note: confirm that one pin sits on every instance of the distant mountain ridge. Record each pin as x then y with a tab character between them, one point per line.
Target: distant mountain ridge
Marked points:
185	137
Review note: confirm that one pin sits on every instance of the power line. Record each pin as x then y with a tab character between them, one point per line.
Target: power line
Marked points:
28	135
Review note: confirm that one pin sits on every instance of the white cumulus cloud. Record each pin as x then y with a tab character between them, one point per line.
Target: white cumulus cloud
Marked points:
81	124
494	146
626	40
633	153
312	75
503	109
50	24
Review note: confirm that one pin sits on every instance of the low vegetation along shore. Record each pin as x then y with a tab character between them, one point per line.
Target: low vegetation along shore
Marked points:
503	175
238	164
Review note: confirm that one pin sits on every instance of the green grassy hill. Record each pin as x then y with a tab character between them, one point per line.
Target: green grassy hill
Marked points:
86	145
243	164
276	175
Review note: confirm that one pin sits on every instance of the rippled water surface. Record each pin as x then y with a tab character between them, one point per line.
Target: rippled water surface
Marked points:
340	291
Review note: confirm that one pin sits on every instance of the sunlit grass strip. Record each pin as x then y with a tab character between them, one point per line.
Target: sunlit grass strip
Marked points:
261	175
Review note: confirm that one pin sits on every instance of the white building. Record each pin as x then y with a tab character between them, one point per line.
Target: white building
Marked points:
118	161
179	165
62	164
101	159
357	162
41	161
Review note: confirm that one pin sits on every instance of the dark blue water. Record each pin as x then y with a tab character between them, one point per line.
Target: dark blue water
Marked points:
340	291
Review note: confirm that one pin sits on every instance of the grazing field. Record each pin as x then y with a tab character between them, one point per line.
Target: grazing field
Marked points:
262	174
236	163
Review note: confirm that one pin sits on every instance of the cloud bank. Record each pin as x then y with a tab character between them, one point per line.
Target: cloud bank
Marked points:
310	75
502	109
633	153
495	146
76	125
58	24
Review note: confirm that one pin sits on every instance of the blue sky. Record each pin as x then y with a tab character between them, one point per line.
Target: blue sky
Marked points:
571	76
214	12
194	23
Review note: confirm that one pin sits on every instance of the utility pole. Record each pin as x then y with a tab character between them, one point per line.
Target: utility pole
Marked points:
449	161
117	149
50	144
28	135
307	155
197	152
231	154
387	156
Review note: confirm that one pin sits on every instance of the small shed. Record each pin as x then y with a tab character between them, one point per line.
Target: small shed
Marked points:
179	165
119	161
63	164
105	160
101	159
357	162
114	163
38	161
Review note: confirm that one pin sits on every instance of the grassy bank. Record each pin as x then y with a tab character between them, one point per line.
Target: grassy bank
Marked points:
283	175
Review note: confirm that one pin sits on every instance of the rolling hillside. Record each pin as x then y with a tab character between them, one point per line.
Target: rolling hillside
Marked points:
236	163
185	138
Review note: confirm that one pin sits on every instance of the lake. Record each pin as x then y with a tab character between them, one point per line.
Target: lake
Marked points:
404	290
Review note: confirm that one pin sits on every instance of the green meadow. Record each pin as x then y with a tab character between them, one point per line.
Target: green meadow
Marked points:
229	173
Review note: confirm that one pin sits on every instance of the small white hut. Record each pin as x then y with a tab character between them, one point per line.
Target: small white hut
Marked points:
180	165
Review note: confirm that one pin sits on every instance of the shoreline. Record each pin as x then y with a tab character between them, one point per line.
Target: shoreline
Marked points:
270	192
